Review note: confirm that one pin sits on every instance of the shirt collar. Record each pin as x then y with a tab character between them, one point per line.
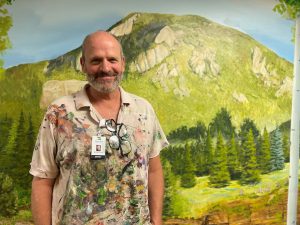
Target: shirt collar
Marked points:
81	99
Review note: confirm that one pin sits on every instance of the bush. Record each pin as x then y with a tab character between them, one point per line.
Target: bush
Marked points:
8	196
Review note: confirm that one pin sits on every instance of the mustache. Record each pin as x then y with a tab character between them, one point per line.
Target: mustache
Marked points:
105	74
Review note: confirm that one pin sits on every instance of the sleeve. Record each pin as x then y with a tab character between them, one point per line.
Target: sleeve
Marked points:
43	162
159	138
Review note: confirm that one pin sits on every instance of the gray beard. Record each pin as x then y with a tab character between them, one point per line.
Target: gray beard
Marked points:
102	88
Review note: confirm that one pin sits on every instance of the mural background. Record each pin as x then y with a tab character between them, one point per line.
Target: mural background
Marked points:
218	74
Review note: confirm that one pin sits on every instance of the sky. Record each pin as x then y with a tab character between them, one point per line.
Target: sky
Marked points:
44	29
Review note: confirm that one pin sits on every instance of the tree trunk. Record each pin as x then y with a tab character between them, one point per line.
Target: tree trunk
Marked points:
295	124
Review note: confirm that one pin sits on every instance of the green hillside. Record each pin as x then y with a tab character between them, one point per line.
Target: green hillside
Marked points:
203	67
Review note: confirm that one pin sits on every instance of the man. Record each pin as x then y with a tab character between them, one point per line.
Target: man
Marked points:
75	184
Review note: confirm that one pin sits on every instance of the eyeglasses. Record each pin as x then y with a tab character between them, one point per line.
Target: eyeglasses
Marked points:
119	138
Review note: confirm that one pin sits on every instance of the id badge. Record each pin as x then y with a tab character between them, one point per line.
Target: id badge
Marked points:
98	147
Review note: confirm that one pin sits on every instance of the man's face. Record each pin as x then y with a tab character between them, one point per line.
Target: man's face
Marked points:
102	62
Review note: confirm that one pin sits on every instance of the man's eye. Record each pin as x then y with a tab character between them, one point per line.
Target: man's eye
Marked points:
95	62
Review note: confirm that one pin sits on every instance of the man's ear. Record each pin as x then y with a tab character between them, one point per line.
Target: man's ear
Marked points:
123	64
82	63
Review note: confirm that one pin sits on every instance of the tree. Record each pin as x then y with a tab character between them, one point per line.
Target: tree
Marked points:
222	123
233	162
264	160
170	182
286	148
188	179
219	174
207	153
246	125
291	8
250	173
8	196
5	24
5	125
277	157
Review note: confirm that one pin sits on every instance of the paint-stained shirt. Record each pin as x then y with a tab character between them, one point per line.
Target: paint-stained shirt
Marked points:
113	190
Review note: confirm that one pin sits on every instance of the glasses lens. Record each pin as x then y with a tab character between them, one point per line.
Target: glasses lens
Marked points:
114	142
126	147
111	125
122	132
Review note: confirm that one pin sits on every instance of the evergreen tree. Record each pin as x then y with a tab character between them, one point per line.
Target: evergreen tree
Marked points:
246	126
188	179
8	196
5	125
19	149
7	155
265	157
222	123
233	163
277	157
25	158
250	173
207	154
286	148
170	183
219	175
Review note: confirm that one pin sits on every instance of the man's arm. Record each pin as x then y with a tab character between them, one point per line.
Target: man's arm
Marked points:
41	200
156	190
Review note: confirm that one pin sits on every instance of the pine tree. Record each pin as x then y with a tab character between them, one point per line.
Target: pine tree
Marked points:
7	155
198	156
286	148
222	123
28	146
246	126
8	196
250	173
233	163
219	174
265	156
5	125
277	157
207	154
170	182
188	179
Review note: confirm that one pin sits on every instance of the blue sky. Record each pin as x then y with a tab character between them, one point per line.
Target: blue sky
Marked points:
46	29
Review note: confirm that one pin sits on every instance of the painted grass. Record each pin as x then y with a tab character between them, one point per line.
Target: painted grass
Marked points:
194	202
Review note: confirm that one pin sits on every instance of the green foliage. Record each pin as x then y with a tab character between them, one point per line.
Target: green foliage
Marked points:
246	126
8	196
277	155
264	159
5	24
250	173
233	162
188	179
286	147
207	153
289	7
222	123
170	189
219	174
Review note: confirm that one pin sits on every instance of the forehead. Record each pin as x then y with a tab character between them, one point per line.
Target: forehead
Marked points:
104	44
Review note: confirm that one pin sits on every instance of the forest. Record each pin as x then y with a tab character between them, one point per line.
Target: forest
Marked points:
223	153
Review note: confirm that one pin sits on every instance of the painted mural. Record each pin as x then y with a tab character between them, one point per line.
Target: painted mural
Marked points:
223	99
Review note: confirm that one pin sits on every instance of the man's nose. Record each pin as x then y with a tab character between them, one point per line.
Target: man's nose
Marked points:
105	66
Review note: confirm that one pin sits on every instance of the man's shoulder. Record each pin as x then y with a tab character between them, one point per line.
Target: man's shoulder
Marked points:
138	101
67	101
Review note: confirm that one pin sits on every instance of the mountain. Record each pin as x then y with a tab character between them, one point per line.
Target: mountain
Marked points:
188	67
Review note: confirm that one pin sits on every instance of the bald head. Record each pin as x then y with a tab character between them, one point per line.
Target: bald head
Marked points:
98	36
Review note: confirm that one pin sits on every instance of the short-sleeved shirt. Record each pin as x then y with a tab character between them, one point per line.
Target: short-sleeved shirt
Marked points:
113	190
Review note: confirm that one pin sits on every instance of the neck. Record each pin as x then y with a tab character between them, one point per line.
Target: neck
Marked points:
106	104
